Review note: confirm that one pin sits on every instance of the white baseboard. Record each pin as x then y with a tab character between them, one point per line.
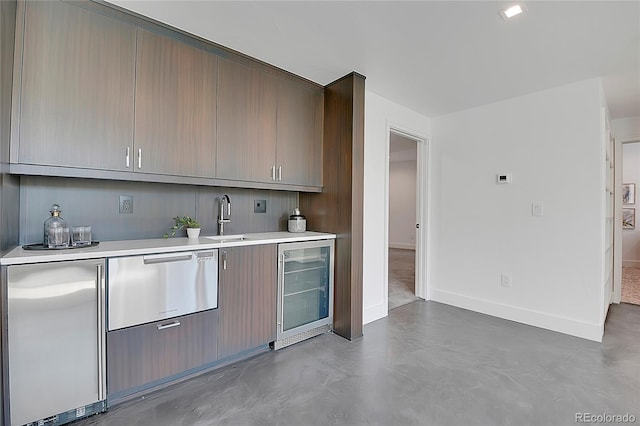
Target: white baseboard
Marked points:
372	313
631	263
402	246
573	327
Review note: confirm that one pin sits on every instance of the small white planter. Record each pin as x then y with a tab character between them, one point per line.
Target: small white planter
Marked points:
193	232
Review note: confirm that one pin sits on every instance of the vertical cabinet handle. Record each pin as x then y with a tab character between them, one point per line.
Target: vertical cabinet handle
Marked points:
224	260
279	172
281	293
139	158
127	157
101	331
273	172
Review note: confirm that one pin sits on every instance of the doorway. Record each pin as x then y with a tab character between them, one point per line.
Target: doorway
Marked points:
403	205
630	248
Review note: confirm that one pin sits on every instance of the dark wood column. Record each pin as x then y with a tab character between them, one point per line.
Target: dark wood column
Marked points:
338	209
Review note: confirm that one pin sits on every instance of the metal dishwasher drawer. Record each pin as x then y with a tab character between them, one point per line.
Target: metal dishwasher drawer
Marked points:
144	289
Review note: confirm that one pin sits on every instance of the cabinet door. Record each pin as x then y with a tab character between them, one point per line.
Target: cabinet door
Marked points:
247	303
234	302
299	133
141	355
175	107
246	123
77	88
264	291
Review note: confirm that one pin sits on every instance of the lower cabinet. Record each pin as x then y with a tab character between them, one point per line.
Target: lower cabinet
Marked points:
247	299
146	354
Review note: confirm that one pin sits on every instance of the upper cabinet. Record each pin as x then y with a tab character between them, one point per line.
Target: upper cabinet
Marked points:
269	128
175	108
299	133
76	88
246	123
99	93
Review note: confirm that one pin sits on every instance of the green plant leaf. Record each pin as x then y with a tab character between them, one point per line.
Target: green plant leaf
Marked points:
182	222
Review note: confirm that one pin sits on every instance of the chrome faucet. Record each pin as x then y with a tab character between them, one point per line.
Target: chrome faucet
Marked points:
221	219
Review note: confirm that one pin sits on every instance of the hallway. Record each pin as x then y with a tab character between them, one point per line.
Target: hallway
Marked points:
402	277
425	364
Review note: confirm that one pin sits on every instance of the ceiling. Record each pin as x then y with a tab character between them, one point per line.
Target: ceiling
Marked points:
434	57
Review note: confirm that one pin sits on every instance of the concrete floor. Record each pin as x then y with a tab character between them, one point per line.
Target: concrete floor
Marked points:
426	364
402	277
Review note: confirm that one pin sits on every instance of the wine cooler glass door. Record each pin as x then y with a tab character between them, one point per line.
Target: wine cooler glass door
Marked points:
306	293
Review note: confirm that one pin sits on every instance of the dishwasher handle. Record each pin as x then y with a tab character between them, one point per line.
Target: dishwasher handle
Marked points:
205	255
169	325
166	257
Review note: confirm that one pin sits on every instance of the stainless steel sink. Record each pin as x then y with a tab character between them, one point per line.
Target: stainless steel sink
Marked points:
227	238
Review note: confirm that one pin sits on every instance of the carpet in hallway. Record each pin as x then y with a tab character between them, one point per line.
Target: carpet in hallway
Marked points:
630	285
402	274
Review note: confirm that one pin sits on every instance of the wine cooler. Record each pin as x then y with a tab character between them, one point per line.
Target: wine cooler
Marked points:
305	291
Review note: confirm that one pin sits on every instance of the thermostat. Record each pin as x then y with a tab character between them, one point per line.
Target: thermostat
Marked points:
503	178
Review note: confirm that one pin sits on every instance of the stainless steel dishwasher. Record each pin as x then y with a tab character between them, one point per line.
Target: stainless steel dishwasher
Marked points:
143	289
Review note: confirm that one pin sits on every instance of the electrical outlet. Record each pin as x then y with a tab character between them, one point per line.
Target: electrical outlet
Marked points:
126	204
259	206
505	280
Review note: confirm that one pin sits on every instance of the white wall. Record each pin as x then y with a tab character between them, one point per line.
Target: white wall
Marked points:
551	142
402	203
380	113
631	174
626	129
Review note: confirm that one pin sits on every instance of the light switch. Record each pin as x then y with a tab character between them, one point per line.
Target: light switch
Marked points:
536	209
505	280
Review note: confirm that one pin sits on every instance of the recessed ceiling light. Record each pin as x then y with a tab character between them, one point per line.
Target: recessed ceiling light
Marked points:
512	11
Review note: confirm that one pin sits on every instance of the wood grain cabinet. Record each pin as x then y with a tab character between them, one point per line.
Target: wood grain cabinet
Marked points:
86	88
97	92
269	128
75	89
175	108
246	123
247	298
299	133
146	354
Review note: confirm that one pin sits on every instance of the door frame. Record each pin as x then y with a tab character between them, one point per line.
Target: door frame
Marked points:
617	229
422	208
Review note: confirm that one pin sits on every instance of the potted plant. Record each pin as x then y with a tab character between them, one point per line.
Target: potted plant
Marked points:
192	226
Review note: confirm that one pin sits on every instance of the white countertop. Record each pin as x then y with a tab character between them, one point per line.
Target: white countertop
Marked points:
150	246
